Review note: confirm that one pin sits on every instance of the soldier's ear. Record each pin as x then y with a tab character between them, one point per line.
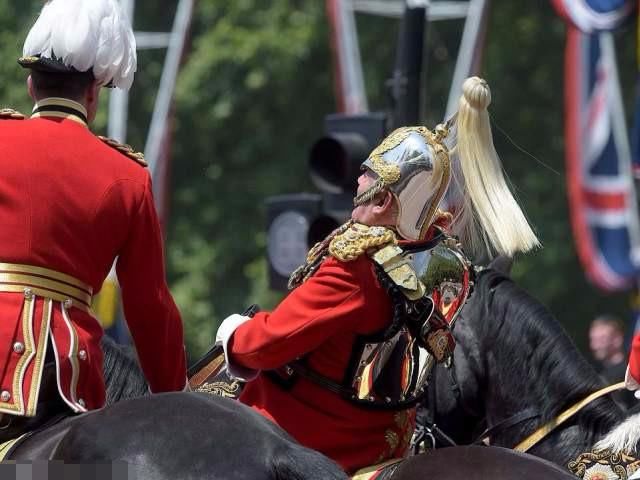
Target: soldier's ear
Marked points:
91	98
93	92
30	89
385	204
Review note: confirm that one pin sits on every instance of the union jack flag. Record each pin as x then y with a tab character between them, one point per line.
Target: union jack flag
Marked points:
602	197
590	16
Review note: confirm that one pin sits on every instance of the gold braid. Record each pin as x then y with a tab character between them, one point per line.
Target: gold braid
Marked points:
316	255
346	243
358	239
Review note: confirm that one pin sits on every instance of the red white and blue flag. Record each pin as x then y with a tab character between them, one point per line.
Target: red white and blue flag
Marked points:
590	16
602	197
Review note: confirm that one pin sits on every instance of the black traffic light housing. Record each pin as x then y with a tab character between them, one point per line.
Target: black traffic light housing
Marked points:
335	159
297	221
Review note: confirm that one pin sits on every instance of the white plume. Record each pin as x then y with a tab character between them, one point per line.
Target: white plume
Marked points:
86	34
623	438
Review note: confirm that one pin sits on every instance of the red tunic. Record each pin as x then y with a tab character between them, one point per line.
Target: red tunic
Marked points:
634	359
322	318
71	203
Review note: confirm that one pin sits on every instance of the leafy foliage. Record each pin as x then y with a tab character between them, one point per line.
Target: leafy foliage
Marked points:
251	98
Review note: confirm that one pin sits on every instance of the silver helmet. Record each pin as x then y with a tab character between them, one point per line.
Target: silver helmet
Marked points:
413	164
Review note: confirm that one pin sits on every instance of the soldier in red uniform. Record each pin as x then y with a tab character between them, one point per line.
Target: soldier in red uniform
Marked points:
70	204
342	361
632	378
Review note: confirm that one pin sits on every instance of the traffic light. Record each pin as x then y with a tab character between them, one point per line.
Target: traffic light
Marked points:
335	159
297	221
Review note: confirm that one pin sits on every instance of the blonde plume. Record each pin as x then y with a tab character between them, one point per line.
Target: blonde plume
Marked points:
490	218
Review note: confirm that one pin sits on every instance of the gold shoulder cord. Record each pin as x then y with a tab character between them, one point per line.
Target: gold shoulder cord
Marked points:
314	258
359	239
126	150
10	114
346	243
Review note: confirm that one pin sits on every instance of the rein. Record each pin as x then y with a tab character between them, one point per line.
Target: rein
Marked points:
526	414
551	425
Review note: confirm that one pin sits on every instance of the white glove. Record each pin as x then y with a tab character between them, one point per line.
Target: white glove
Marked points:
225	331
632	384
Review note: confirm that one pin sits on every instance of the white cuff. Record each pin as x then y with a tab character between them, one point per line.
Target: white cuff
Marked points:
630	382
225	331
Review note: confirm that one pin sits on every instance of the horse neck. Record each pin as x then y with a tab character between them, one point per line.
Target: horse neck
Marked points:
123	377
530	363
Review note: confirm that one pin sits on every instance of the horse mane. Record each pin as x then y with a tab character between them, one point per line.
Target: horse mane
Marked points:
532	340
122	373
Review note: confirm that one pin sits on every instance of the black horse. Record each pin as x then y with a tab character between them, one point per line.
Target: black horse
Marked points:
477	463
200	436
515	369
175	435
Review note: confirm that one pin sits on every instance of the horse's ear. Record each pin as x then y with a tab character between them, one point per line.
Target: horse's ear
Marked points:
502	264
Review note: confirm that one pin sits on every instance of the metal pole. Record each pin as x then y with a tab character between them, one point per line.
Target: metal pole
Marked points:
470	49
167	84
119	99
405	83
440	10
106	302
351	93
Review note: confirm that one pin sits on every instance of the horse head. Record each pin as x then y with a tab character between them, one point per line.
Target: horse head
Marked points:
514	369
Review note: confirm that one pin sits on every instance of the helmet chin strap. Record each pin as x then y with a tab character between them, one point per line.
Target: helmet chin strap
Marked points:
365	197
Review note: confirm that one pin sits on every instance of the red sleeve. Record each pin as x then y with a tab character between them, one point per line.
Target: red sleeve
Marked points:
331	301
150	312
634	358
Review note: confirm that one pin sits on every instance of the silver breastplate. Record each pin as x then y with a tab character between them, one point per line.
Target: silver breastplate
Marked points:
393	369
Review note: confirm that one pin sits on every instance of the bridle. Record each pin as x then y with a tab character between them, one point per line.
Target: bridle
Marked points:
565	415
543	431
434	434
429	431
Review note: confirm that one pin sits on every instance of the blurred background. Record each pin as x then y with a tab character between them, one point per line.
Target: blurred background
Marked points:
254	84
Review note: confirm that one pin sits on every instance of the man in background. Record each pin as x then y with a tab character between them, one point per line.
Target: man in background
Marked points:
606	342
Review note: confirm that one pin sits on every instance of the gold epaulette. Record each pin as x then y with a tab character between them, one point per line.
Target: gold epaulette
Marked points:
126	150
10	114
358	239
400	271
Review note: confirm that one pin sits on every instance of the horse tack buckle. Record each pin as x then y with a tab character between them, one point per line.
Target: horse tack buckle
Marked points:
440	343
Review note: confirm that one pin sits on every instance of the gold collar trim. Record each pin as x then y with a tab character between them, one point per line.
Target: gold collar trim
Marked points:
59	107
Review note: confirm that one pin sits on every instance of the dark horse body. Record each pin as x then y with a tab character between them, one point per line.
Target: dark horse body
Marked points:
175	435
514	361
198	436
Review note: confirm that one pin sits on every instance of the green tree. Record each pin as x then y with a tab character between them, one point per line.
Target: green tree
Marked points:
251	97
250	100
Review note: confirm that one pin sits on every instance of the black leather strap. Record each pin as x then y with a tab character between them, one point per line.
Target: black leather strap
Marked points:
508	422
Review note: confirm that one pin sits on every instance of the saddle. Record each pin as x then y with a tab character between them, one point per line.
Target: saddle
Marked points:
381	471
210	375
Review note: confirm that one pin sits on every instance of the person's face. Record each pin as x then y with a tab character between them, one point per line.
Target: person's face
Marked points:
363	213
604	341
374	212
